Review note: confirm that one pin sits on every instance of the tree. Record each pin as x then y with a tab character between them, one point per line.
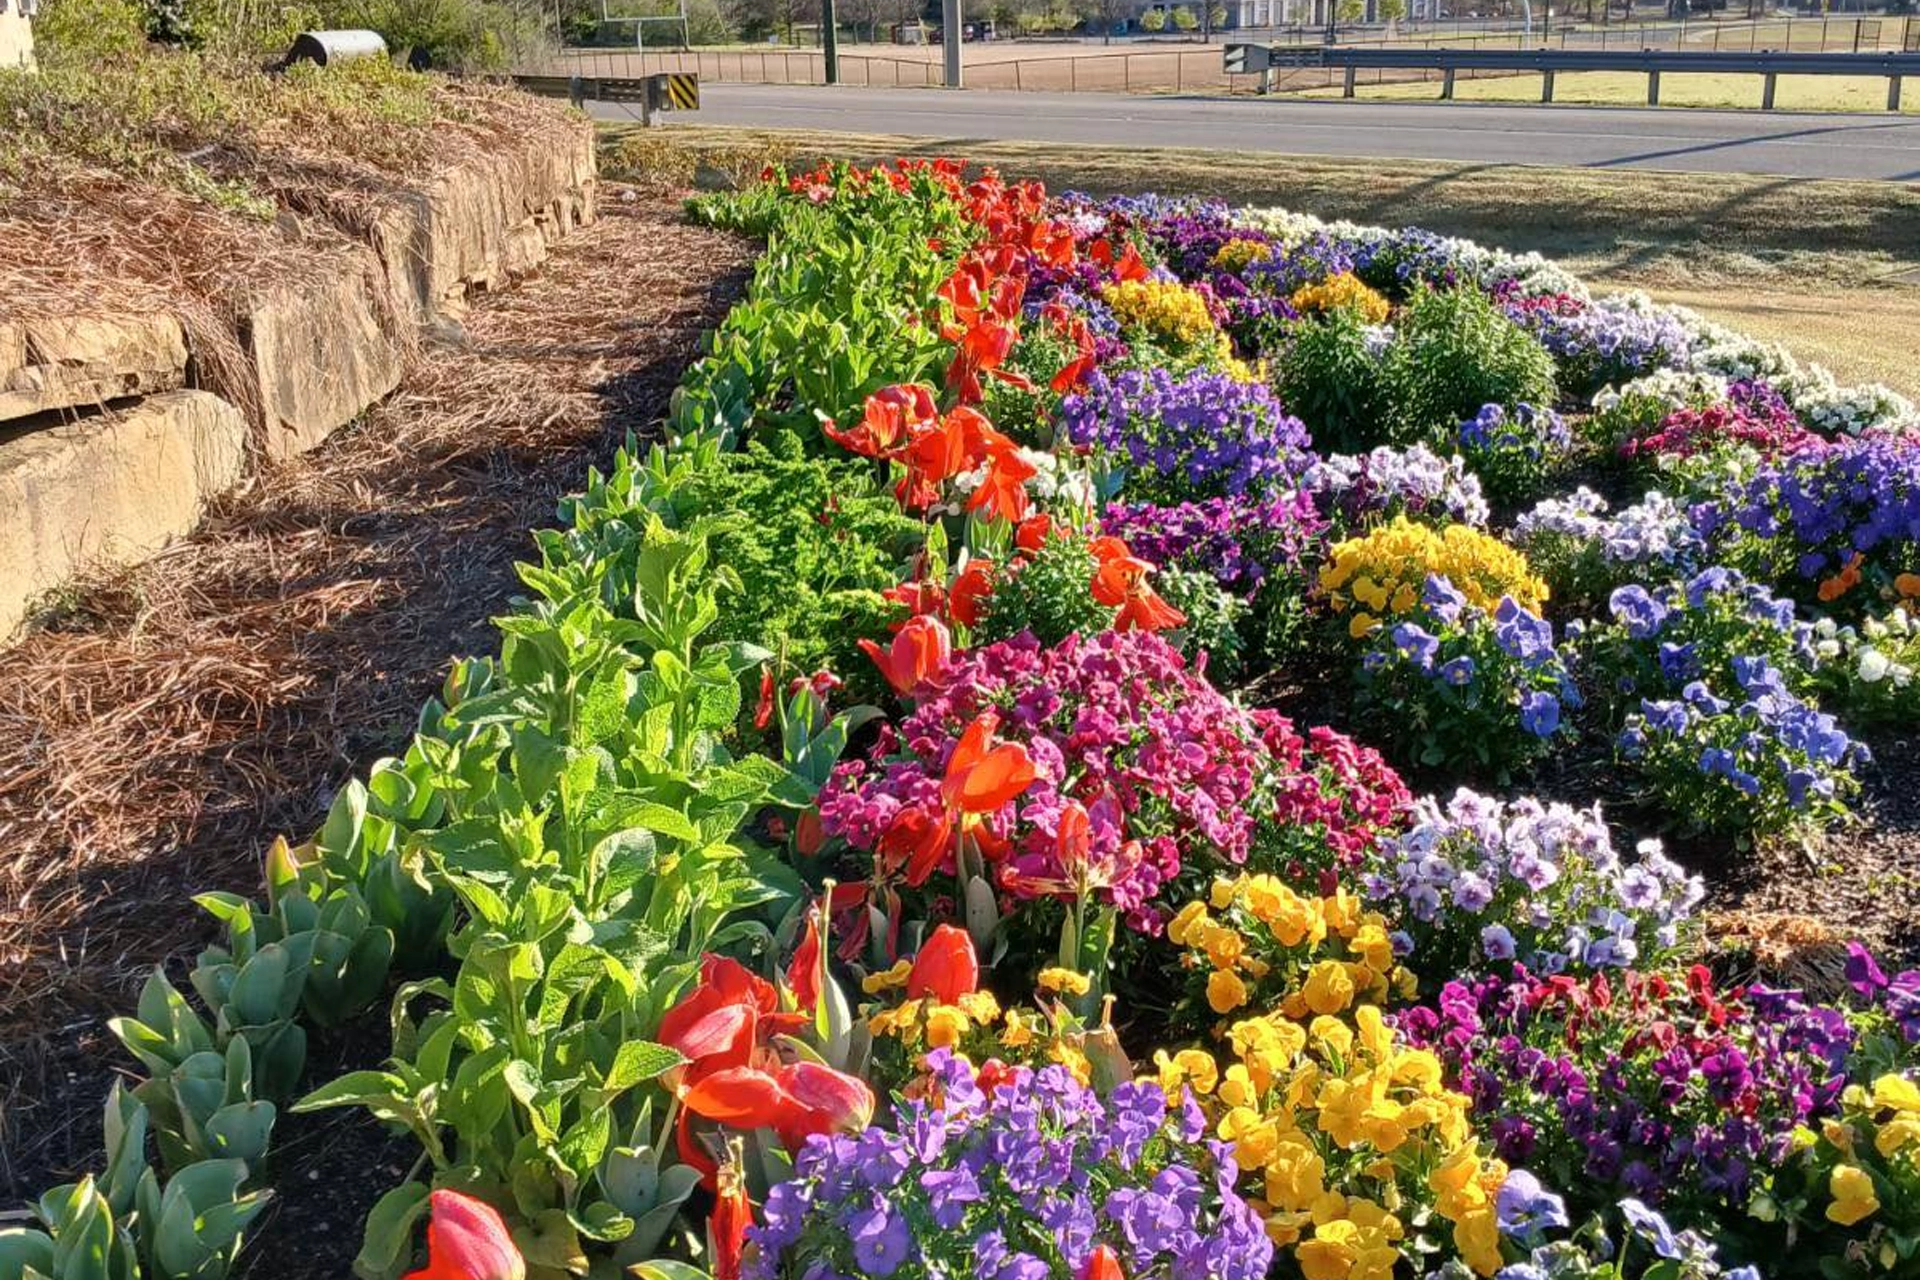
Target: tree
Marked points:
1183	19
1390	11
1154	20
1350	10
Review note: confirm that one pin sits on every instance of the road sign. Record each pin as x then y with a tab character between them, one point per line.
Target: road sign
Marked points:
1247	59
674	91
1302	55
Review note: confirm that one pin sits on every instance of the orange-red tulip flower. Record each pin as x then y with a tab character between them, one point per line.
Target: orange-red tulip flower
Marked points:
466	1240
727	1228
1121	582
919	651
971	588
1102	1264
980	779
946	968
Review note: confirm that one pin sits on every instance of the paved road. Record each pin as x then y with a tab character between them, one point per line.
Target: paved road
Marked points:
1807	146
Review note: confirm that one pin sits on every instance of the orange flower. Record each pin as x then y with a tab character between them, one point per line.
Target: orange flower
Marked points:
980	779
972	586
946	968
466	1240
892	414
1102	1264
727	1228
919	651
1907	584
1003	492
1032	533
1121	582
1844	581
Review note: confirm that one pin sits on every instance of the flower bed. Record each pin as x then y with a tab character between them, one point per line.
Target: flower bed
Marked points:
858	860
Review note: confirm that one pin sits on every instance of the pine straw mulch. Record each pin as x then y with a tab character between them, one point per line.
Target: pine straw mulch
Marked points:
153	741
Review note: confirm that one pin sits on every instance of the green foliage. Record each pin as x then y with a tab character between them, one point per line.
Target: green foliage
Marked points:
456	35
1184	19
1454	352
79	29
832	314
1051	596
1214	618
1330	379
811	542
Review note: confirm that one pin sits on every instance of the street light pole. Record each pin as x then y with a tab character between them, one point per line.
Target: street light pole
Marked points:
830	42
950	39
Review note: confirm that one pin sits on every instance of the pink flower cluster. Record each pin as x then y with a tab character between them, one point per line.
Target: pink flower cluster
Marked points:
1166	767
1687	432
1334	801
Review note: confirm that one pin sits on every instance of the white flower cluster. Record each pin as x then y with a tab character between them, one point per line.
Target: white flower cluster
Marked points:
1536	276
1675	388
1865	650
1834	410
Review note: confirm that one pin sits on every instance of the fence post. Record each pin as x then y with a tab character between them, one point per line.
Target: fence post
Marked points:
1856	35
1073	75
1446	84
1179	72
1347	91
1016	75
1766	94
1653	88
1546	86
1893	93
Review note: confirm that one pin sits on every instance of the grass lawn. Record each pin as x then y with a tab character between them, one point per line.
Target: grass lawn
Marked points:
1677	89
1809	263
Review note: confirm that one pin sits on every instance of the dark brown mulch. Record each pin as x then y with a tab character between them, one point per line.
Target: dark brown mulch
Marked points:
154	741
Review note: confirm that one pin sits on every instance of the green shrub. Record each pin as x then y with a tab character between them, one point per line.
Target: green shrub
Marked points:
1330	379
1051	596
68	30
1453	353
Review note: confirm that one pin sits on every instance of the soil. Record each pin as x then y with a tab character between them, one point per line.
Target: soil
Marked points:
155	738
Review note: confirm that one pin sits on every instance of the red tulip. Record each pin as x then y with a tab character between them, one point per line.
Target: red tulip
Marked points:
971	587
890	417
946	968
1033	533
1121	580
980	779
919	651
1003	492
466	1240
803	974
1102	1264
727	1228
808	834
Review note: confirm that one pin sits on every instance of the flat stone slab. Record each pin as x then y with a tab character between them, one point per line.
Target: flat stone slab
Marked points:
48	364
110	489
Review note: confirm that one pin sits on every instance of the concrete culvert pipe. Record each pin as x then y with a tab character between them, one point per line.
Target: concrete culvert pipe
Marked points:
326	47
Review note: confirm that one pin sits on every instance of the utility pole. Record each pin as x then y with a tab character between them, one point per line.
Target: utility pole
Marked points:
830	41
950	40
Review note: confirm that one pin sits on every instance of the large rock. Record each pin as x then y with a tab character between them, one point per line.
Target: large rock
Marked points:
322	349
485	222
110	489
70	362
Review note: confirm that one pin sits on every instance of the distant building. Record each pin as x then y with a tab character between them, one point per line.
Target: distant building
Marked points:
1292	13
16	33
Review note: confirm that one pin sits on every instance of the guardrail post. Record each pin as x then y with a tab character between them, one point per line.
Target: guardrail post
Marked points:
1766	94
576	91
1546	85
1893	93
1653	88
1347	92
1446	83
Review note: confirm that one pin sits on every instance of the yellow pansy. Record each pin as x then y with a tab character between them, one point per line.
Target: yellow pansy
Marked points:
1017	1031
1477	1236
945	1025
1225	991
1897	1134
1067	982
1896	1093
887	979
1180	928
1853	1196
1329	987
1322	1258
981	1006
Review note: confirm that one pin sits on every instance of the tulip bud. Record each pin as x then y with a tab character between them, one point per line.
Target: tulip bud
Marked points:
946	968
466	1240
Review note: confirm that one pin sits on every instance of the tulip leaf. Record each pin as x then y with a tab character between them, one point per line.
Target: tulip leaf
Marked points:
387	1242
638	1061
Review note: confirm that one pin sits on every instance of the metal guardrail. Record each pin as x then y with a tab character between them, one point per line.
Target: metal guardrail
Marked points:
662	91
1246	59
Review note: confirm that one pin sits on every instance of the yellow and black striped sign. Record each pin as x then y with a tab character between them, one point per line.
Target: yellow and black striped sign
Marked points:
676	91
